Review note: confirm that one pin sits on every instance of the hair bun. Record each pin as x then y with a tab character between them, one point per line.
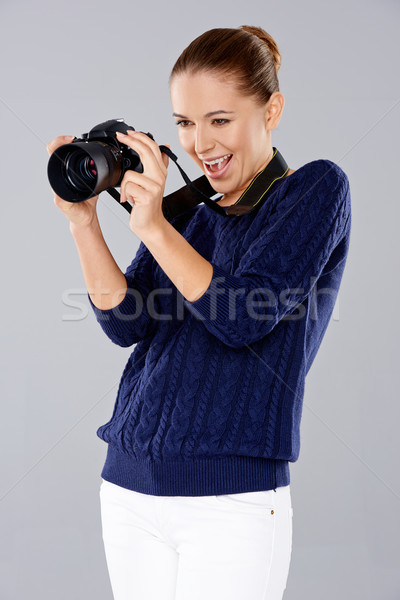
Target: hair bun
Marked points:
247	57
268	40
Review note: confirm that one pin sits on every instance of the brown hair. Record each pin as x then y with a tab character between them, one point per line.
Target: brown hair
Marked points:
247	55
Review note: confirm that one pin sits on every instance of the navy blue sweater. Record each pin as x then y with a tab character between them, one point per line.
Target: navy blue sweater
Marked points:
210	400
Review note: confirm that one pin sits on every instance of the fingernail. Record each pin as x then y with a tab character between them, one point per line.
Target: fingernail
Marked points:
67	138
131	132
120	133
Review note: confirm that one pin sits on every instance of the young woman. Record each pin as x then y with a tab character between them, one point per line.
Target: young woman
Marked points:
226	320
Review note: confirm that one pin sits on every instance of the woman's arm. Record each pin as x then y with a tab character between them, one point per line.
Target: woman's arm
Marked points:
119	300
185	267
105	281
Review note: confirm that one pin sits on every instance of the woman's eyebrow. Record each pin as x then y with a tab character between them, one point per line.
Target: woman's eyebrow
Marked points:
210	114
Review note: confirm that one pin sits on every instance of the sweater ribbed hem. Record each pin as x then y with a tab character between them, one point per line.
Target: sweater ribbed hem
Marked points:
201	477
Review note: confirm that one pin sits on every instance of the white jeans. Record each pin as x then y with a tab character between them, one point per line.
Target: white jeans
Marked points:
226	547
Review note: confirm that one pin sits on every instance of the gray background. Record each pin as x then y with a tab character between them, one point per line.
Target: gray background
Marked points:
66	66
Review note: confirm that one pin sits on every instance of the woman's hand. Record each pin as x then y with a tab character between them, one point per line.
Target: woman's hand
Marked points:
80	214
145	190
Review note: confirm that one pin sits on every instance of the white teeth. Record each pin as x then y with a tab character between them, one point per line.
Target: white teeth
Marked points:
218	160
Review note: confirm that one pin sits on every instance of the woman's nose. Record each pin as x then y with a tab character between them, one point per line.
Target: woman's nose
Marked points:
204	142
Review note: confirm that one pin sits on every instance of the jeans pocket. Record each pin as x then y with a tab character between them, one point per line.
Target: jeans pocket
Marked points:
249	501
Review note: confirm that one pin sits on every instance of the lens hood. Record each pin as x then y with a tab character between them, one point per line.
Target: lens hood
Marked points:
93	163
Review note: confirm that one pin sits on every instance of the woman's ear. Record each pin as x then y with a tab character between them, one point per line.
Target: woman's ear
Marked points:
274	109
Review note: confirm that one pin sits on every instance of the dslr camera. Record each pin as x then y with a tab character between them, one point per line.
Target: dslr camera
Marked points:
93	163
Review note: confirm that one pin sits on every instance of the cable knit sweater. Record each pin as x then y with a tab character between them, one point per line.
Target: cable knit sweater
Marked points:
210	400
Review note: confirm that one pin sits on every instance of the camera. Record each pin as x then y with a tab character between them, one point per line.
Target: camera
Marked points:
93	163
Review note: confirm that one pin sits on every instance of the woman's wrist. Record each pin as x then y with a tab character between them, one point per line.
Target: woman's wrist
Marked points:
77	229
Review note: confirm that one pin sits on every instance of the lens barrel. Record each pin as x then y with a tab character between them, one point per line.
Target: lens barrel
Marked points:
82	170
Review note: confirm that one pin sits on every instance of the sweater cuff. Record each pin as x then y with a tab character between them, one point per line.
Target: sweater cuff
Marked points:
217	304
116	322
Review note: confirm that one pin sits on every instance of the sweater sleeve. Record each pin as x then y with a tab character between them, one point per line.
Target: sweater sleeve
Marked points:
279	269
130	321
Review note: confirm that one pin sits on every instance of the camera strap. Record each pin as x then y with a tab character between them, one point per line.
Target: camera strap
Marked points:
200	190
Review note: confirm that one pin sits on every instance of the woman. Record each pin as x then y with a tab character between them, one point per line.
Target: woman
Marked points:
224	312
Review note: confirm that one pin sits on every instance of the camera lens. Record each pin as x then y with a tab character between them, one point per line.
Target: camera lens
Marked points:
80	171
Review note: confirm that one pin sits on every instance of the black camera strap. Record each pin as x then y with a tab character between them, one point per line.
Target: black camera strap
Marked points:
200	190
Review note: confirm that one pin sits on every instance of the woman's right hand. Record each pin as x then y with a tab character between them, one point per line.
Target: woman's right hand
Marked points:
80	214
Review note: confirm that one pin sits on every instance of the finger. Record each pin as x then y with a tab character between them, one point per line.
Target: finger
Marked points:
59	141
148	151
148	141
165	157
165	160
140	180
135	192
146	187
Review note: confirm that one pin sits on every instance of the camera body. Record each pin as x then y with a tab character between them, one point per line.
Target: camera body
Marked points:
93	163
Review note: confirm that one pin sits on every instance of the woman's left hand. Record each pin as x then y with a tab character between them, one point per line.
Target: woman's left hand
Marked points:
145	190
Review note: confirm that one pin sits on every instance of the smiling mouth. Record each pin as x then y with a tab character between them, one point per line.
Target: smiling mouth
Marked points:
217	165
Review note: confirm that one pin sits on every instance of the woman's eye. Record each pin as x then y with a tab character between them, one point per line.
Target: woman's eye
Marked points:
184	123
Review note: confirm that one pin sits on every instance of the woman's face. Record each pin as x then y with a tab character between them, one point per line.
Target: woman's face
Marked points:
216	122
